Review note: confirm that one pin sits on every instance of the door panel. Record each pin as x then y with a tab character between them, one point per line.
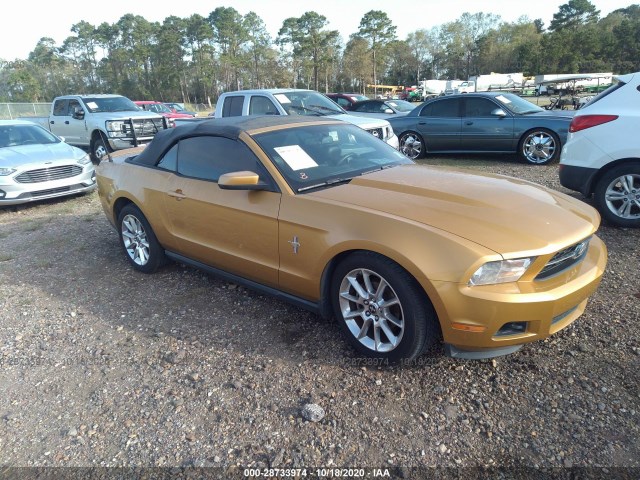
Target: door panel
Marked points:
234	230
440	123
482	131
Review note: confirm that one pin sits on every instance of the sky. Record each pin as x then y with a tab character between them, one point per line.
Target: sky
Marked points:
18	37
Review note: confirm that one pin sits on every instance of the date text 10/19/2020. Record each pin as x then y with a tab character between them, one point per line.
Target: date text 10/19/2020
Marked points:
317	472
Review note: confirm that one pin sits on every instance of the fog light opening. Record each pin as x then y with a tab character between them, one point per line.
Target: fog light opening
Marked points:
512	328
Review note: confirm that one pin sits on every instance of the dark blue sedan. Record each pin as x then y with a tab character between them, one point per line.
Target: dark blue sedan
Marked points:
488	122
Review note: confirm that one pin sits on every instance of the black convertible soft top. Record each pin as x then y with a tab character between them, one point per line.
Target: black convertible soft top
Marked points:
230	127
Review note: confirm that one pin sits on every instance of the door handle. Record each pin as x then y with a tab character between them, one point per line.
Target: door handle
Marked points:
66	122
52	122
422	123
468	123
177	194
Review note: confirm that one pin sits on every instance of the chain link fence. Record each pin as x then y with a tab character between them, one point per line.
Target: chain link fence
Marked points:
9	111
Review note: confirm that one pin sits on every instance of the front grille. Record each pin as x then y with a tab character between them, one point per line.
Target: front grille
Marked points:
564	259
50	191
377	132
48	174
146	127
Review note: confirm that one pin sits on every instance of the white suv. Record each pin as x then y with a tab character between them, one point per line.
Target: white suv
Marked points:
602	152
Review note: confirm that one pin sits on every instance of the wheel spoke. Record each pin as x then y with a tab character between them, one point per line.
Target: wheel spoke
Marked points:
364	329
625	209
367	283
392	319
382	286
614	195
358	288
627	183
376	338
387	331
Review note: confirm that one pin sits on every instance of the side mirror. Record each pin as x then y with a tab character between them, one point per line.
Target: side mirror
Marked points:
78	113
241	181
388	110
498	112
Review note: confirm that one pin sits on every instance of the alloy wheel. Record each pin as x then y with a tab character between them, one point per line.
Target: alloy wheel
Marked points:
371	310
135	240
622	196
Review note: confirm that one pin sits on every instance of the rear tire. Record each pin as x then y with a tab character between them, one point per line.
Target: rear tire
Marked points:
138	241
617	195
382	311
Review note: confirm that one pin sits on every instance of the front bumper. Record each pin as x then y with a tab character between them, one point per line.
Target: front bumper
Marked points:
15	193
122	143
474	315
393	141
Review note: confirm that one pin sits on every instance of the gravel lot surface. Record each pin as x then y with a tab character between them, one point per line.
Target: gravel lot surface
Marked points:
103	366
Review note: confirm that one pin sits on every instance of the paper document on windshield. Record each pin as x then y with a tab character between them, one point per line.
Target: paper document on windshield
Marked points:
296	157
503	99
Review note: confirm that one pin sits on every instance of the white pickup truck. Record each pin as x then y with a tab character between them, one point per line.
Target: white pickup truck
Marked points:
101	123
289	101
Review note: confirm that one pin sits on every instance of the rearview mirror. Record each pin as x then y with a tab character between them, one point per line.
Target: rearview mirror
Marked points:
78	113
241	181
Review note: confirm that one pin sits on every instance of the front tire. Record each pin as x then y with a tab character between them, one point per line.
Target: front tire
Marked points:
382	311
539	147
617	195
412	145
138	241
99	149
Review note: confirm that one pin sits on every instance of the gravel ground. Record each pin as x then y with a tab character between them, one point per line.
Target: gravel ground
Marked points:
103	366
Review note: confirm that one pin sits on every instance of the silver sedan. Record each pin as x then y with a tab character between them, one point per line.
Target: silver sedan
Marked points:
35	165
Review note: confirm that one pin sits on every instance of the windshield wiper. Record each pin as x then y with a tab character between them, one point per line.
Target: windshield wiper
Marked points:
322	107
328	183
305	109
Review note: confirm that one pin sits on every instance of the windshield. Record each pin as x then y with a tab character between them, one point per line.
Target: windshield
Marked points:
159	108
358	98
307	102
18	135
109	104
401	105
516	104
318	156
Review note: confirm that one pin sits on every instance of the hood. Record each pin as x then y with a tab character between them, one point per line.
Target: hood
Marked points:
38	155
504	214
361	122
124	115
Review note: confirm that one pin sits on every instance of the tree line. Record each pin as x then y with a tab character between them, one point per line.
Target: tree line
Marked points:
195	59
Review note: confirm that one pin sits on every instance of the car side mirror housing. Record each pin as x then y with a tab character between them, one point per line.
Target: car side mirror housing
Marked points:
245	180
498	112
78	113
388	110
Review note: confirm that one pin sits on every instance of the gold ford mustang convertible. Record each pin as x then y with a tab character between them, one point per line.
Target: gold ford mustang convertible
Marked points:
325	215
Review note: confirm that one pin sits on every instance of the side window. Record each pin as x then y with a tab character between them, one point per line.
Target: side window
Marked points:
260	105
446	108
426	110
170	159
343	102
60	108
73	103
209	157
232	106
479	107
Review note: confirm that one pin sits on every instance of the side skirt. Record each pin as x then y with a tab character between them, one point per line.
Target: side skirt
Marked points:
292	299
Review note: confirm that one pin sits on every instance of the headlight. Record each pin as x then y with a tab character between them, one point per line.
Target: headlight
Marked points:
502	271
116	128
389	131
6	171
85	160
